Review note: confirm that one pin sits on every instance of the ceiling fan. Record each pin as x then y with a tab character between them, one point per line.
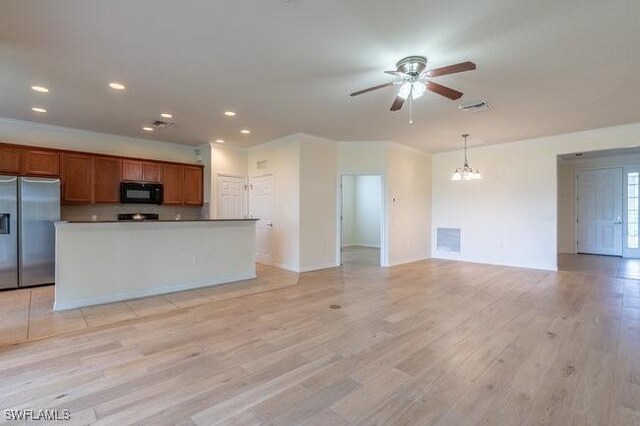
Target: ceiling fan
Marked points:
415	80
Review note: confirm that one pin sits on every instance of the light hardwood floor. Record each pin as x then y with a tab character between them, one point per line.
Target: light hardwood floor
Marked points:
433	342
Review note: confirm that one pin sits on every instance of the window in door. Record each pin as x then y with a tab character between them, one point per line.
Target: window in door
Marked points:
632	209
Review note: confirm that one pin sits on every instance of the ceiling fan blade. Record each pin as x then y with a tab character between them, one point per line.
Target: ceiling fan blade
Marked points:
444	91
397	104
371	89
452	69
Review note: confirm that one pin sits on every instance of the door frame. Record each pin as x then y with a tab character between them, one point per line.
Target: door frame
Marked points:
246	191
250	214
626	251
383	217
577	205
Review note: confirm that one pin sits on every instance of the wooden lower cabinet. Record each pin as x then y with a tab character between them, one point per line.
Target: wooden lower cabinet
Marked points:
106	180
10	160
193	183
77	178
173	183
41	163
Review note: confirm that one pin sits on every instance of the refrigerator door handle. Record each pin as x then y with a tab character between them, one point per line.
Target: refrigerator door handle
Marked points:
5	223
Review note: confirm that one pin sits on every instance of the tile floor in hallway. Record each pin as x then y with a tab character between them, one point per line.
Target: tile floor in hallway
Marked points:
27	314
609	266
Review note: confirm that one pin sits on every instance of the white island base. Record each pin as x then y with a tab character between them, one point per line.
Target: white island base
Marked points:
102	262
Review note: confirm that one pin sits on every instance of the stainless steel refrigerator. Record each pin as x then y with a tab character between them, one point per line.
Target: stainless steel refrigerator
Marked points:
28	209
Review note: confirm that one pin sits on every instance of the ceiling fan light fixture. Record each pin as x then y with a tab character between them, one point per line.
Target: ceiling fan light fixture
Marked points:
405	90
418	89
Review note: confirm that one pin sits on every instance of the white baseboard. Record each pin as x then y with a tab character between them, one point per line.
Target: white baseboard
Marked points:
408	260
72	304
287	267
318	267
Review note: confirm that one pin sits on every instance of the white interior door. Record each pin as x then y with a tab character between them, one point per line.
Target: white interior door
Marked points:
600	211
261	207
232	197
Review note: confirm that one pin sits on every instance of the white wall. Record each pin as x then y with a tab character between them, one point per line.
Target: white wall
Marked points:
282	160
44	135
510	217
106	262
365	158
318	166
409	206
361	210
349	212
406	197
224	160
567	170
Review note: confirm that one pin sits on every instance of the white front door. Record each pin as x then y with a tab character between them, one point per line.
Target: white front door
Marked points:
232	197
600	211
261	207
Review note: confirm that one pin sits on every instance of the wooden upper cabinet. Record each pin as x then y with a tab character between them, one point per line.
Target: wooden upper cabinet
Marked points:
106	179
41	163
10	160
140	171
151	172
193	182
132	170
173	183
77	178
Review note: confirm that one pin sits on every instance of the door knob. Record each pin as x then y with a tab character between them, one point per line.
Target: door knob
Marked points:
618	221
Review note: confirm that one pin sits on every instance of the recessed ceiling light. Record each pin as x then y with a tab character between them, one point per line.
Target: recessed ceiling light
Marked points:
245	131
229	113
40	89
38	109
219	140
148	129
117	86
166	115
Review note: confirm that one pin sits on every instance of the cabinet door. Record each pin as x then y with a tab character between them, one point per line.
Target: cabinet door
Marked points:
106	180
41	163
151	172
173	182
77	178
132	170
193	185
10	160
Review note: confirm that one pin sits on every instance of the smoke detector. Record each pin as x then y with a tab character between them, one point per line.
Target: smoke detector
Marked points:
475	106
164	125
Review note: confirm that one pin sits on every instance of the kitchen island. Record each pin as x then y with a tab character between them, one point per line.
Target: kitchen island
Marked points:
101	262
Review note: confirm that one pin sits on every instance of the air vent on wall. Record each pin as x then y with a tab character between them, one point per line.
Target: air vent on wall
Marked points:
448	239
475	107
159	124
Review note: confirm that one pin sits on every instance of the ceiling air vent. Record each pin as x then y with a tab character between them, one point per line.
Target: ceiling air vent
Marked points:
159	124
475	107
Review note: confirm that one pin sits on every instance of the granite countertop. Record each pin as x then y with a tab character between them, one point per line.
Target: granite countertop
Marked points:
153	221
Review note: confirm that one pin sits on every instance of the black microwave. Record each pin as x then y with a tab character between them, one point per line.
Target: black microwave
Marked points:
141	193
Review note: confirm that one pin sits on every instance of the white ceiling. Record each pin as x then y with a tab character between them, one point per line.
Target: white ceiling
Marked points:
546	67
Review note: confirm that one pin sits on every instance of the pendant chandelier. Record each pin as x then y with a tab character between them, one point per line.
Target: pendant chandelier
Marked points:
466	172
